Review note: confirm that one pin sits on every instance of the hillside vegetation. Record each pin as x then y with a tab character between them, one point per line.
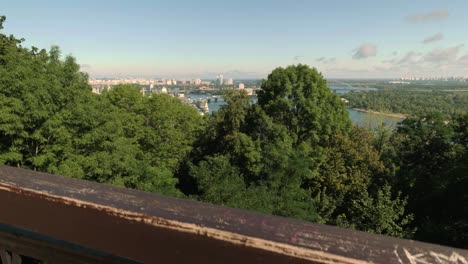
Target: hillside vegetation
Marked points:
294	153
412	102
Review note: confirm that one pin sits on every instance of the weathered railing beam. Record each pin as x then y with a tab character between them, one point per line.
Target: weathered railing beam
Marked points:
152	228
37	246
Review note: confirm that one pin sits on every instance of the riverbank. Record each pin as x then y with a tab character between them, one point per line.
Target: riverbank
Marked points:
402	116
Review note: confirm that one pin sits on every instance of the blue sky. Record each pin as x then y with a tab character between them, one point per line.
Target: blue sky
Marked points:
358	39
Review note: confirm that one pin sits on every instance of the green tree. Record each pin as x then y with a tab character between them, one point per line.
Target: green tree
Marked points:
353	190
434	175
298	145
298	98
50	121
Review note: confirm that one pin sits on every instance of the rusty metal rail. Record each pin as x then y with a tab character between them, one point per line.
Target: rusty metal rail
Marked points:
63	220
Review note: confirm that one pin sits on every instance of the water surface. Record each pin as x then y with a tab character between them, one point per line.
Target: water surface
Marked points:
357	117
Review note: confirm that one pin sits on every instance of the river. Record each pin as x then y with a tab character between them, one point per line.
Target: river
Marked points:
357	117
365	119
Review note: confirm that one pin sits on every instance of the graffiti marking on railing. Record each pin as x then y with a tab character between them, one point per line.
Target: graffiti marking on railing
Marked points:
431	257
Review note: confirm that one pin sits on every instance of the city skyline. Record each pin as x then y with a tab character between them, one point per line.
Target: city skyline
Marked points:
248	39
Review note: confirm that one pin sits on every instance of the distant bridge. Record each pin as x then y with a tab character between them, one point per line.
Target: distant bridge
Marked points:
346	84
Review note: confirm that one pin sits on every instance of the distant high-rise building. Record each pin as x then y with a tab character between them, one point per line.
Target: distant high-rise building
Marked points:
229	81
198	81
221	81
241	86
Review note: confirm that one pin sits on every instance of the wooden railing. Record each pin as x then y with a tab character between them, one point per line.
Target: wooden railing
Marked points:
63	220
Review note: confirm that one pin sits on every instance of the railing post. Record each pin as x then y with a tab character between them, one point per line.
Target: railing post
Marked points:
6	259
16	259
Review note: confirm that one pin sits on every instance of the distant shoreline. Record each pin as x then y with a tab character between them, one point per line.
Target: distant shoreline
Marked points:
402	116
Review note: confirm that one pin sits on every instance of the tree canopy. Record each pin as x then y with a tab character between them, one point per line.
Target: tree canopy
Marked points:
410	101
50	121
297	155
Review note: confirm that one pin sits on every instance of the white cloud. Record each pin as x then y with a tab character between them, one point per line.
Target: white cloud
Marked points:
410	57
429	59
433	38
463	60
296	58
389	61
445	61
435	15
330	60
364	51
326	60
443	55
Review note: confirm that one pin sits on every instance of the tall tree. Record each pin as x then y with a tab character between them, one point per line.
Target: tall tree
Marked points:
298	97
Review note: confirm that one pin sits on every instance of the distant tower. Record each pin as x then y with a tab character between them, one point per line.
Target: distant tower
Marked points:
221	82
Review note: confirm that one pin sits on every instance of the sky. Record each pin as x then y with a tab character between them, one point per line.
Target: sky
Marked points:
248	39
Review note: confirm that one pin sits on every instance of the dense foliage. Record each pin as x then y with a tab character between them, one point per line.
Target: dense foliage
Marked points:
294	153
432	156
412	102
50	121
415	85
